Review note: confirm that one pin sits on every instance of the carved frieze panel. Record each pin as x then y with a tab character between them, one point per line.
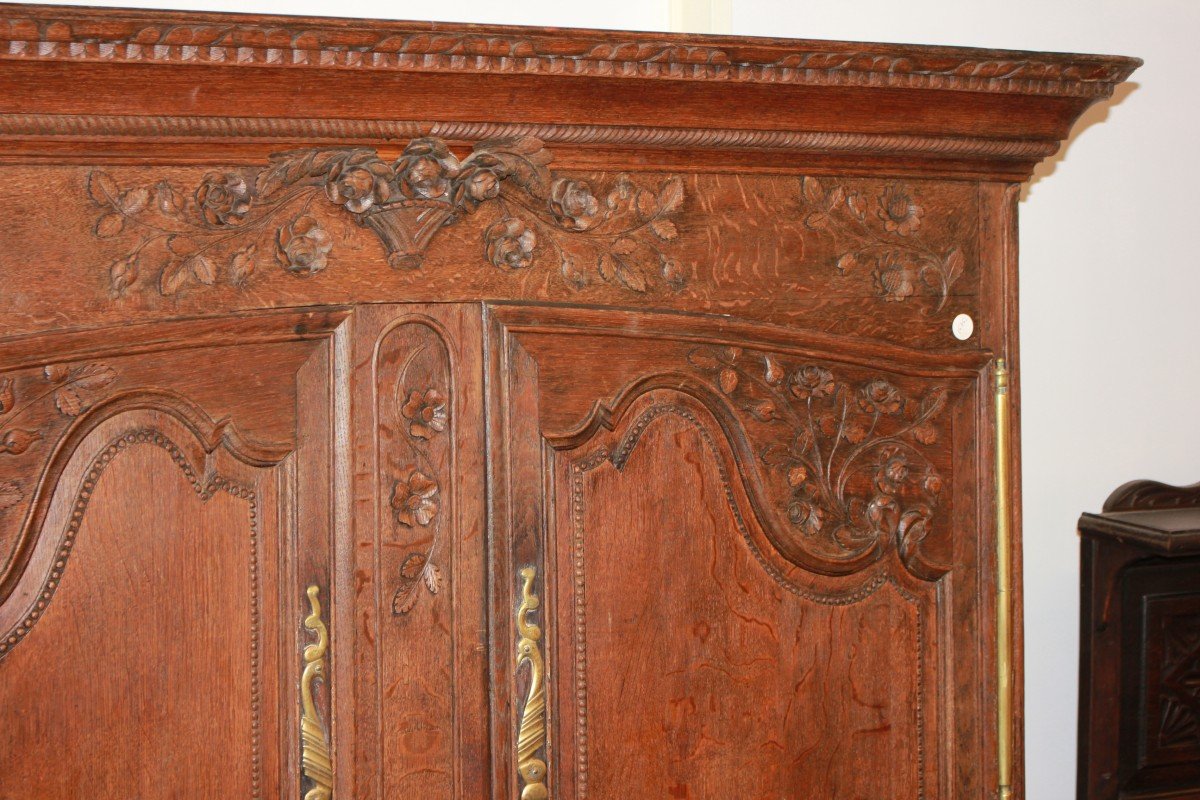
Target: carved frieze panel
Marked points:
893	260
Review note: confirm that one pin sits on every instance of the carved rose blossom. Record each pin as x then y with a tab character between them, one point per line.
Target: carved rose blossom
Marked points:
892	472
894	281
880	397
811	381
360	186
806	515
426	412
573	204
426	168
414	499
898	210
303	246
510	244
478	181
223	199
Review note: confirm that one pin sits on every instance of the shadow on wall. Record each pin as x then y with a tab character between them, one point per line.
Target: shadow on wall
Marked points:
1096	114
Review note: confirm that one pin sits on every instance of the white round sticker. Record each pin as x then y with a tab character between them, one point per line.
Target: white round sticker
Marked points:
963	326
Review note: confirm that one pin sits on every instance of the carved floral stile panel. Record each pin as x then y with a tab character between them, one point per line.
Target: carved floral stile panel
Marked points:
415	451
232	226
36	407
850	458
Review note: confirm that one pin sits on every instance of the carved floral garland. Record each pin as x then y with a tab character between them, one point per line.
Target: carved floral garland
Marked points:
219	232
836	439
882	233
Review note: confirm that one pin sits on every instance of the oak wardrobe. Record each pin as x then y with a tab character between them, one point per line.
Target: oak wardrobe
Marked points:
414	410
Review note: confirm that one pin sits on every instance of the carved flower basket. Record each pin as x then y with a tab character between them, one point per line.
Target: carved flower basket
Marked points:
406	229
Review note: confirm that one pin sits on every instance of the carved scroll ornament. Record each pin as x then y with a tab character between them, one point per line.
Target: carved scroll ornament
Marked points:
224	229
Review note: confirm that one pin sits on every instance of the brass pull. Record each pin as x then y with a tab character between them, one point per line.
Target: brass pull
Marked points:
315	763
1004	688
532	734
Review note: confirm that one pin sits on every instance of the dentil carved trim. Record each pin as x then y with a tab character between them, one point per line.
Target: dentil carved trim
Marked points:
166	38
881	234
850	459
224	229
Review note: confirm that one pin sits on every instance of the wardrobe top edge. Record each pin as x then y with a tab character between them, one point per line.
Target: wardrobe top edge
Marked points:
73	33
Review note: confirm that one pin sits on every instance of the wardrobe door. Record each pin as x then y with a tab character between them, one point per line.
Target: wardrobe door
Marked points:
736	562
165	541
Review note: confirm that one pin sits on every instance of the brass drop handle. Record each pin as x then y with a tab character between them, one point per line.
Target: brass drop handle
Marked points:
531	736
315	761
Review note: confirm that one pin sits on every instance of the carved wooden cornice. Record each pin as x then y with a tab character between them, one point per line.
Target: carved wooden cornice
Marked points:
40	33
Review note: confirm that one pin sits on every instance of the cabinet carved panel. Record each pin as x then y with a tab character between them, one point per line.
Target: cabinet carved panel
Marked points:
98	575
726	621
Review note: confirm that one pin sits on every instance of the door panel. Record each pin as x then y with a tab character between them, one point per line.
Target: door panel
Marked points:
698	670
757	556
150	633
152	654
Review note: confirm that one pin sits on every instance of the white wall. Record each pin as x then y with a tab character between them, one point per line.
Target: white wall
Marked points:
1110	287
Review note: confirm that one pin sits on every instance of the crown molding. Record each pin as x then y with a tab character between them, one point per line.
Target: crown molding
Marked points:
95	35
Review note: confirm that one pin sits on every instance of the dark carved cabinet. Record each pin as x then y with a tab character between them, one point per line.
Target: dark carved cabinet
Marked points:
396	409
1139	699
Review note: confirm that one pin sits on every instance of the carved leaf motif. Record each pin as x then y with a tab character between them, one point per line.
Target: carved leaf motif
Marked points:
202	269
71	397
68	401
670	195
664	229
134	200
241	265
10	494
174	277
433	577
109	225
102	188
